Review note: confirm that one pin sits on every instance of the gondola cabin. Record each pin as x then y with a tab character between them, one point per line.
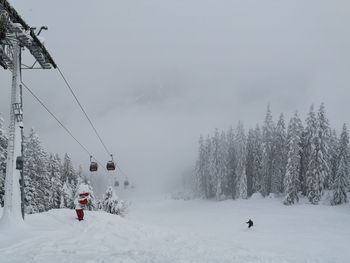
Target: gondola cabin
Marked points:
110	166
126	183
116	183
19	163
93	167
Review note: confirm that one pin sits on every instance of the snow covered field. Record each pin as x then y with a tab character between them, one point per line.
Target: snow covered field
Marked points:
185	231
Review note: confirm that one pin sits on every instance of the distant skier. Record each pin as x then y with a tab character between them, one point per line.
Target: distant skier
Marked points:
250	223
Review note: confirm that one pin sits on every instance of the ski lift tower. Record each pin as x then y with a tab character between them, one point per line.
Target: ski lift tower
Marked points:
16	35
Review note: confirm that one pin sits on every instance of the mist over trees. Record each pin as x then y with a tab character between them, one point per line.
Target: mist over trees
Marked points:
52	182
299	159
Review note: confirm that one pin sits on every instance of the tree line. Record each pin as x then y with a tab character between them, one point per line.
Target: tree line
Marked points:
50	182
304	159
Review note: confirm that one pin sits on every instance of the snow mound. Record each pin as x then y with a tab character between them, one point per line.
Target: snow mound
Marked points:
257	196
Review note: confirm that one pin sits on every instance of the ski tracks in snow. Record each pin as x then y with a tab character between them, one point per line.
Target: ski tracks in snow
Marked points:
56	236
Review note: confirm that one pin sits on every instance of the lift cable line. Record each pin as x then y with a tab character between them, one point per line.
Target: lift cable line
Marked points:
59	122
111	165
121	170
83	110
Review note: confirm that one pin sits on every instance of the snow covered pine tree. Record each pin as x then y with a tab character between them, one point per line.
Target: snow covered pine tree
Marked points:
291	179
340	182
82	199
112	204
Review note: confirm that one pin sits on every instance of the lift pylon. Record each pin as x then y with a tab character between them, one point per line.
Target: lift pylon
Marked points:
15	35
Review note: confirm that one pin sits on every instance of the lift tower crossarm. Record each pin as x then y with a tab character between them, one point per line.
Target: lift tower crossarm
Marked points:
16	27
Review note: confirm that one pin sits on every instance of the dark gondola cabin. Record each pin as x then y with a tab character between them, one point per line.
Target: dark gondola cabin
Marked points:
126	183
93	167
116	183
19	163
110	166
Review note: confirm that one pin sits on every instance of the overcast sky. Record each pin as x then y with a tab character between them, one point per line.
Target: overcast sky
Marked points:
155	74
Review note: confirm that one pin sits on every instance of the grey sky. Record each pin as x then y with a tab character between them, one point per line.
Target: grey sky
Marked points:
155	74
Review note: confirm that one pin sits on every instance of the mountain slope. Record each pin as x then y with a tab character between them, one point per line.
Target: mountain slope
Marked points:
184	231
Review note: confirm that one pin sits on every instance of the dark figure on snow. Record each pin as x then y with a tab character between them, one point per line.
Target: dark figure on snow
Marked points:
250	223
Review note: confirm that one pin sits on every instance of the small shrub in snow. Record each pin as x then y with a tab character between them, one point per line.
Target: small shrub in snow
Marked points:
326	198
112	204
257	196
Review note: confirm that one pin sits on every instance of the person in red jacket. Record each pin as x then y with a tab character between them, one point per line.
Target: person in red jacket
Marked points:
81	201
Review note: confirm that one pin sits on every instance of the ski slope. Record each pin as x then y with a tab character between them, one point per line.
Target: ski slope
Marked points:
184	232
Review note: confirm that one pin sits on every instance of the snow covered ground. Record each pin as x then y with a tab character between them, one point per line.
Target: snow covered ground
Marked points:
183	232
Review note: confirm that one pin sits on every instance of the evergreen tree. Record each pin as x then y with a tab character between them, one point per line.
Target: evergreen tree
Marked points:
340	184
280	160
214	164
68	173
318	170
37	183
341	180
268	131
70	181
333	158
240	146
83	187
231	163
258	161
223	175
83	182
343	149
243	191
54	170
307	144
291	179
218	167
324	132
67	196
201	173
250	172
209	191
93	202
80	175
112	204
